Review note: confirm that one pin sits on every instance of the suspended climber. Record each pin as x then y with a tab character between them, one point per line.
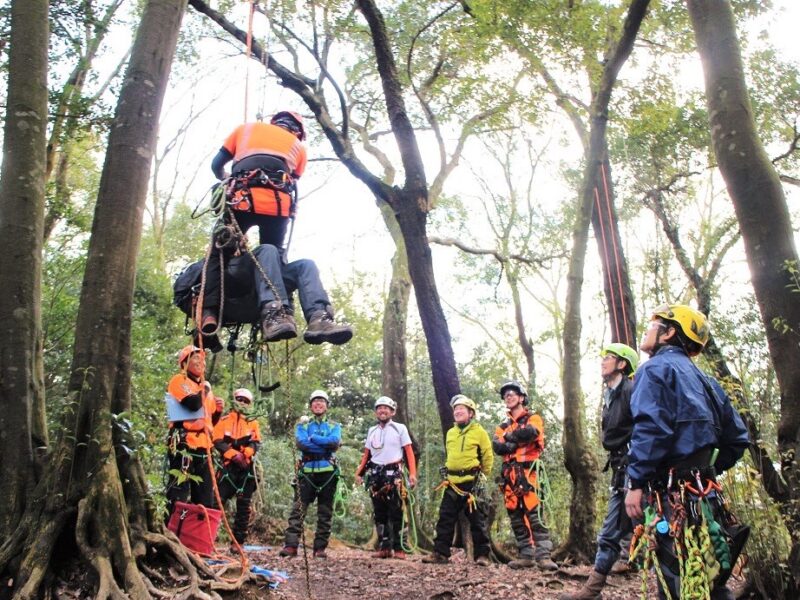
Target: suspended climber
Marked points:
387	447
261	191
519	439
685	433
617	367
237	438
192	410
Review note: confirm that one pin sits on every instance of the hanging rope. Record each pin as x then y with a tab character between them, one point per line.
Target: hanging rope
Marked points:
607	262
617	259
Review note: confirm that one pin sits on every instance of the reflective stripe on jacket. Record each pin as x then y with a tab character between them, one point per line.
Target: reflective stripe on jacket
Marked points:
234	433
183	388
250	139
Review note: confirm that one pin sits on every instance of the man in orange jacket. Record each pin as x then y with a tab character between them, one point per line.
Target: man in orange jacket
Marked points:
237	438
192	411
519	439
267	160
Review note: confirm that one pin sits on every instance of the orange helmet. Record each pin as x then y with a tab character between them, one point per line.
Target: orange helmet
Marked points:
185	353
291	121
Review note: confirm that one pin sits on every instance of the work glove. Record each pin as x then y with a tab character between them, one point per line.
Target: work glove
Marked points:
240	460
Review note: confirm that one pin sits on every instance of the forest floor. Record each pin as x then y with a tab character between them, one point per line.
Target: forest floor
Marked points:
350	573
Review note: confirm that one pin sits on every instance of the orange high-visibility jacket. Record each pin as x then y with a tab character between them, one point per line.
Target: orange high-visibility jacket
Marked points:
193	394
263	138
520	462
234	433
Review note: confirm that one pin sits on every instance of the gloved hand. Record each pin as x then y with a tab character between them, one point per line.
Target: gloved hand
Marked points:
240	460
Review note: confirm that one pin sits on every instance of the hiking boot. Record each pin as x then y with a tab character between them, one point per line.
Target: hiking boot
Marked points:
382	553
590	590
546	564
400	555
483	561
523	562
620	567
320	553
436	559
322	328
276	324
288	551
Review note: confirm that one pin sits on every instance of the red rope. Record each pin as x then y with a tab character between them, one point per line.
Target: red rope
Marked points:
605	253
617	260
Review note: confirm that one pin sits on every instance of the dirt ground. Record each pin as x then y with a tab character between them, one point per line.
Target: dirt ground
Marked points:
349	574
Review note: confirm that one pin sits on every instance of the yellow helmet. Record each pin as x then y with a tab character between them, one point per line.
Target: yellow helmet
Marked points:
693	323
461	399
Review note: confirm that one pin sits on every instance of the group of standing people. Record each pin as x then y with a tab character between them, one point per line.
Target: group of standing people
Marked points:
663	423
196	427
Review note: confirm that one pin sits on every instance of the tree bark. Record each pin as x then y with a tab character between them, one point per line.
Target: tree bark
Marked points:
83	491
22	191
395	316
760	204
578	458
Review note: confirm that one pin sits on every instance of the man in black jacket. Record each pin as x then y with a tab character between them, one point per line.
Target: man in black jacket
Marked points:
618	364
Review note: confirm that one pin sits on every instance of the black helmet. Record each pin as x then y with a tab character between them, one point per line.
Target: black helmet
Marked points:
291	121
517	387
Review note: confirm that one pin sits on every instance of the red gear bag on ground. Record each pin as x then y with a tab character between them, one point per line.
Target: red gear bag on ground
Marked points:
196	526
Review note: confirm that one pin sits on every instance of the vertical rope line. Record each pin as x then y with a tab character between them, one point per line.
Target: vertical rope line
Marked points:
605	254
617	260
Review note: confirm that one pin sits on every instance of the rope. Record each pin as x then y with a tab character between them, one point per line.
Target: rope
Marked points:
407	503
617	261
608	270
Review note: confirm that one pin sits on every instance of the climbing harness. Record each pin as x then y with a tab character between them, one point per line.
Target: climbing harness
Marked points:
706	537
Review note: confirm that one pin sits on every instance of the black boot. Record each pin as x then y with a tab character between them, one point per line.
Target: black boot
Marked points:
276	324
322	328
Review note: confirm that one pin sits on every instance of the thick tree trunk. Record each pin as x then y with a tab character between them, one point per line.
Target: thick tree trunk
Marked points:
90	499
22	190
758	198
577	456
434	324
395	315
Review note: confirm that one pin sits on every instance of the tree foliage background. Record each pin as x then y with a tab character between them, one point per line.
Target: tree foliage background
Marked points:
512	195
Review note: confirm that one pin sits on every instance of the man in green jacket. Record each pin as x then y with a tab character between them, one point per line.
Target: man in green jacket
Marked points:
469	453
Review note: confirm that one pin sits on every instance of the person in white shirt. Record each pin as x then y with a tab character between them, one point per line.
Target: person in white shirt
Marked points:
388	445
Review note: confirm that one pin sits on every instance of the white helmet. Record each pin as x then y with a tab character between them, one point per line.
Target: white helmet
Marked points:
243	400
386	401
319	394
243	393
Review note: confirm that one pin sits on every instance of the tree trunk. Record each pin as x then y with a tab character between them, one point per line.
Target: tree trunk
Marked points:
395	316
22	190
760	204
107	520
577	456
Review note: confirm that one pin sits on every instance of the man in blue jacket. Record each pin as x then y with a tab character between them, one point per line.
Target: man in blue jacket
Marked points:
317	475
685	428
